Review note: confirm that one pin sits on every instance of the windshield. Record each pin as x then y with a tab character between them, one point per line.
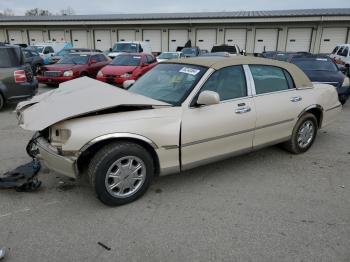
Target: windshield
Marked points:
319	64
63	52
126	60
75	59
170	83
168	55
281	57
188	51
39	48
125	47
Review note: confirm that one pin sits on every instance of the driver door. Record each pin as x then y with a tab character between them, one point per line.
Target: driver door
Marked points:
214	132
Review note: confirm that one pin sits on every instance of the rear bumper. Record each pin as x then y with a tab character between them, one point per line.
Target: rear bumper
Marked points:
54	80
53	160
25	90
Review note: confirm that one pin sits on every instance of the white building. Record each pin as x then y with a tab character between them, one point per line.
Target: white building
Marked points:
314	30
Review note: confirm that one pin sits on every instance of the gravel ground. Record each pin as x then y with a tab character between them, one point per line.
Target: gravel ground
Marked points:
264	206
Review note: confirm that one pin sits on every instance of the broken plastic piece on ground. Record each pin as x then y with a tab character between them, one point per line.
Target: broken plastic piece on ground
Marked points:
2	253
104	246
22	178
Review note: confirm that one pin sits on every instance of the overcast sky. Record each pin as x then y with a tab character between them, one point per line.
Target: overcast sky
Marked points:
154	6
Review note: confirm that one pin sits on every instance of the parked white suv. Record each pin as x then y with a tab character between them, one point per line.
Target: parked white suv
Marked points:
130	47
48	49
341	54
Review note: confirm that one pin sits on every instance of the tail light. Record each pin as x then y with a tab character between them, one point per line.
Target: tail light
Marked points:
20	76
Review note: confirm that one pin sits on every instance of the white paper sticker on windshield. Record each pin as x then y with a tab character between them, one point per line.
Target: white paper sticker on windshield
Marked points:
190	71
137	57
321	59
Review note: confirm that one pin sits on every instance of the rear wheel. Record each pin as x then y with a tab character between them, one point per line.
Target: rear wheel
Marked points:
121	172
2	101
304	134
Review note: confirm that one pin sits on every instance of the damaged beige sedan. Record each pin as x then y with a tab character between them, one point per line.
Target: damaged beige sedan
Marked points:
180	115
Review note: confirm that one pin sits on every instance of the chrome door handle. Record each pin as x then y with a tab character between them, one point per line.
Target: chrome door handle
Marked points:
242	110
296	99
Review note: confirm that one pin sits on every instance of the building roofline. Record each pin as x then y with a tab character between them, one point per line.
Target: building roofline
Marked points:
185	15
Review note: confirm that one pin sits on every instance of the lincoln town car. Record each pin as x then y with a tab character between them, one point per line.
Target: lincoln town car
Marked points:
181	114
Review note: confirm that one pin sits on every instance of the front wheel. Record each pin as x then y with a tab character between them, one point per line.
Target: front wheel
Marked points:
121	172
304	134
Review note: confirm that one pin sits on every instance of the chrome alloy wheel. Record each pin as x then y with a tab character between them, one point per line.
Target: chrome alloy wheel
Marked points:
306	133
125	176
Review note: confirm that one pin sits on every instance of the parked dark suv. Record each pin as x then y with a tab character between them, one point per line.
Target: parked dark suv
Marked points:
16	78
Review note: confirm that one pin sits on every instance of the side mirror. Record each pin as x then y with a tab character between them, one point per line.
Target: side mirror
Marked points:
208	98
128	83
110	49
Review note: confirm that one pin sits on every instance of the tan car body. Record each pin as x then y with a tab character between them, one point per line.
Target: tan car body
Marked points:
178	137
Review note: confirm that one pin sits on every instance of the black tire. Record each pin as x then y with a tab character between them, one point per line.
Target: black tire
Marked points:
2	101
105	158
52	85
343	99
292	145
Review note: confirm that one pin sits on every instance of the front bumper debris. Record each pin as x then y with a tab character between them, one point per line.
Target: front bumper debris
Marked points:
40	148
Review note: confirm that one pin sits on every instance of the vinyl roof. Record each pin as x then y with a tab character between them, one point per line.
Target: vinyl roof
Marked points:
196	15
300	79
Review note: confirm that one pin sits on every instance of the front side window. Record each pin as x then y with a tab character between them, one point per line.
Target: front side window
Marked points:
335	50
268	79
170	83
228	82
345	52
340	51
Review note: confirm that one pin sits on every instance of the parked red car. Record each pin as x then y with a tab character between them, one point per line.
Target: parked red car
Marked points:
73	66
126	67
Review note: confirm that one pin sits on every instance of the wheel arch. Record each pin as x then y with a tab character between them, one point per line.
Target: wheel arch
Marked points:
317	111
92	147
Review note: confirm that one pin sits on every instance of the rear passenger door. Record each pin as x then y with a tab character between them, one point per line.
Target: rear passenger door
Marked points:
277	103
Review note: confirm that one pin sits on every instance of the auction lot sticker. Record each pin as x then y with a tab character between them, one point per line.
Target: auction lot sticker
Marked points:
190	71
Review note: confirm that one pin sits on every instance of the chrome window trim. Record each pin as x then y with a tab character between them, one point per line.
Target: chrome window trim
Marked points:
118	135
249	72
250	80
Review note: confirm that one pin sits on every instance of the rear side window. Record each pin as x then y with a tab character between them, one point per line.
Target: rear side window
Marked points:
10	57
269	79
228	82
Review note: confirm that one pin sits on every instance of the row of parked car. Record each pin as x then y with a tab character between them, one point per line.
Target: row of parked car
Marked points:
319	69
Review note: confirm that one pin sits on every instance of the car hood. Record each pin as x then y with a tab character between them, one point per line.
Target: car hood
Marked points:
75	98
117	70
332	78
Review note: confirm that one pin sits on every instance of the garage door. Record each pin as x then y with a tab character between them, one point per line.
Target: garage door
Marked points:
236	36
177	38
206	38
35	36
80	38
15	36
126	35
299	39
332	37
154	37
57	35
265	40
103	39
